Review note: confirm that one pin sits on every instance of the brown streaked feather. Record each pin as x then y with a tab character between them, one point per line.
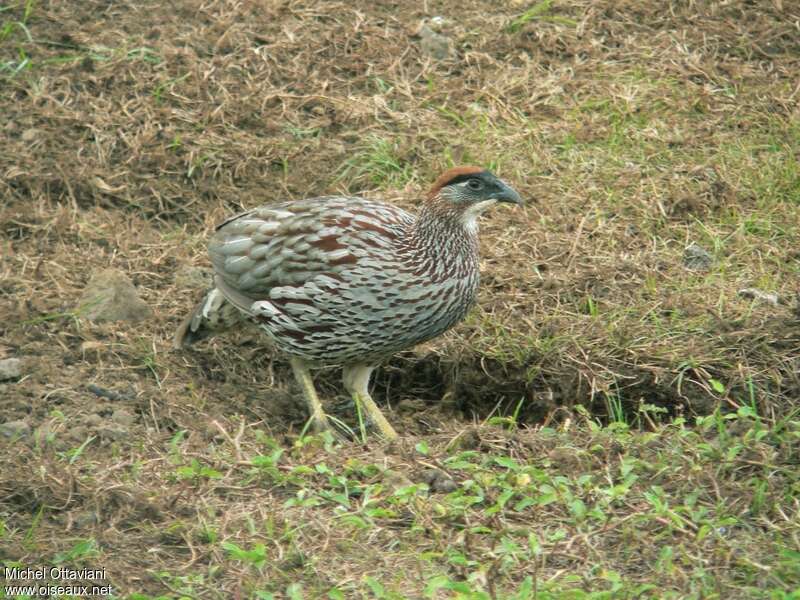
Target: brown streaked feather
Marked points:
344	260
451	174
340	280
328	244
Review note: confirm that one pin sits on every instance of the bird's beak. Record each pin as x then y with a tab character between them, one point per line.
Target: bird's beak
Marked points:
508	194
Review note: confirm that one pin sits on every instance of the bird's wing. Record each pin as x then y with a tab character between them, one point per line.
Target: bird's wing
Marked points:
291	244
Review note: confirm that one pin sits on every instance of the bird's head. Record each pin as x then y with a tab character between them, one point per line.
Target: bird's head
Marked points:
468	191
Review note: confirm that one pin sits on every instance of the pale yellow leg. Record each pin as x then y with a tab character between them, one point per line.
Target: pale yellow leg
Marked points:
303	376
356	380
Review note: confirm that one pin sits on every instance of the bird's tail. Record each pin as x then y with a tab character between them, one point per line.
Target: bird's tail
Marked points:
213	315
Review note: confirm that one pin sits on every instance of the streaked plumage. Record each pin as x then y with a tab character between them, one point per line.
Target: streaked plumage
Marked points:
347	281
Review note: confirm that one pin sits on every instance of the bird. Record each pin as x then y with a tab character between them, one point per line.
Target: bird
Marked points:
347	281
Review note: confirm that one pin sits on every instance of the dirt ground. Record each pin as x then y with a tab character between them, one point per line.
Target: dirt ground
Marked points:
656	144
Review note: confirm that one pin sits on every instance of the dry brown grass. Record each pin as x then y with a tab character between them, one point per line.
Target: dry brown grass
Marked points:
634	128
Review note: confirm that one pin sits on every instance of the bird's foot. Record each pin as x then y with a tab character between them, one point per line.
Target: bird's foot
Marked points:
365	402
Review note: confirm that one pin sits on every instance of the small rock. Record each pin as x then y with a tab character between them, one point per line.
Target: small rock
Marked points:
435	45
123	417
10	368
760	295
444	485
429	476
113	433
110	296
468	439
93	420
561	455
75	434
85	519
104	393
15	429
696	258
396	480
437	23
30	134
438	481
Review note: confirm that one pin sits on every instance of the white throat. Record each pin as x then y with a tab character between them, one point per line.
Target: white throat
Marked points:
470	216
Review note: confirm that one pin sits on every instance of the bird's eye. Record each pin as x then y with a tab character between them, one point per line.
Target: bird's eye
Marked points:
474	184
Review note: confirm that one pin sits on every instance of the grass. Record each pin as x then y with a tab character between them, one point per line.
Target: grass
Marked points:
377	162
16	35
538	11
616	509
606	423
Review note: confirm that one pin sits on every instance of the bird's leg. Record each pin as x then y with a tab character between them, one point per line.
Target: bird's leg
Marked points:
356	380
303	376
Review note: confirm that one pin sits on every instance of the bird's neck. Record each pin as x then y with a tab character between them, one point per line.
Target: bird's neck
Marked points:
443	234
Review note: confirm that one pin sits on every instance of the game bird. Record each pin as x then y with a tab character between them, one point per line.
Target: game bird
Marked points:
346	281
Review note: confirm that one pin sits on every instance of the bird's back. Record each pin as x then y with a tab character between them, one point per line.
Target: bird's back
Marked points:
338	279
